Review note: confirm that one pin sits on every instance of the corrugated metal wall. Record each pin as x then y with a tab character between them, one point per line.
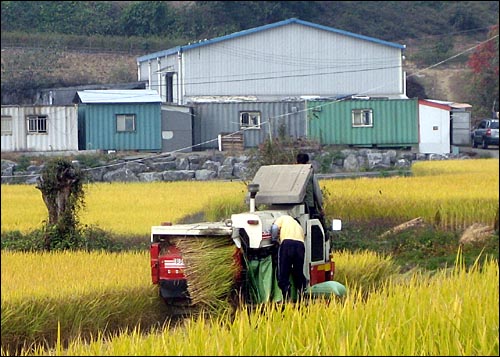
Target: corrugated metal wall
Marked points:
154	70
176	128
293	60
461	127
100	127
212	119
395	122
62	129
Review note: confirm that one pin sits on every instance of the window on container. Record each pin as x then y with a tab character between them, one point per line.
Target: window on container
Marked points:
6	125
362	118
37	124
250	120
125	123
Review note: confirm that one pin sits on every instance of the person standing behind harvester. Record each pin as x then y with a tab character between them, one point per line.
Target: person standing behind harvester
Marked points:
291	254
313	197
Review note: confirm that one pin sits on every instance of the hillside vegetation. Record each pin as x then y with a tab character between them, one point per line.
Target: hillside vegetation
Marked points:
395	21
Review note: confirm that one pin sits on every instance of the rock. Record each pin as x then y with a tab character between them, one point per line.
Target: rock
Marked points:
226	172
377	161
95	174
477	232
402	164
211	165
162	165
434	157
182	164
150	176
194	162
205	175
121	175
178	175
35	169
240	171
7	168
230	160
136	167
351	163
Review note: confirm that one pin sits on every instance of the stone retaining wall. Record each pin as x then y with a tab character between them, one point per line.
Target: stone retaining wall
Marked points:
215	165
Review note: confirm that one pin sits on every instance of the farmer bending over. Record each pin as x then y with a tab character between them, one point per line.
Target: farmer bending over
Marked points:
291	253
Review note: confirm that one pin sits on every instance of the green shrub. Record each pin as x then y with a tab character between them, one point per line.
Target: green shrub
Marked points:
23	162
91	160
89	238
15	240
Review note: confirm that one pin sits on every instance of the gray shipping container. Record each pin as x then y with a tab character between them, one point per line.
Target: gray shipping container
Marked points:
274	119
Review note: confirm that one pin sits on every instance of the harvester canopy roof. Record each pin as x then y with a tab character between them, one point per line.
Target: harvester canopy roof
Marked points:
281	184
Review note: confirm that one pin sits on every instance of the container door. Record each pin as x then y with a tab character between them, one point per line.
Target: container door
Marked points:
316	255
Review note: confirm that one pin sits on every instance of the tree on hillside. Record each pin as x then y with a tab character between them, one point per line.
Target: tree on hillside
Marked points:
484	82
414	89
147	18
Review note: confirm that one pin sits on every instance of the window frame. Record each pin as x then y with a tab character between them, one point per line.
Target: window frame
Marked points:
6	119
37	124
365	118
250	114
125	118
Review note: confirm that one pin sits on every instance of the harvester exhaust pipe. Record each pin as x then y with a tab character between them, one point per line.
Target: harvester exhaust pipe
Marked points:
253	188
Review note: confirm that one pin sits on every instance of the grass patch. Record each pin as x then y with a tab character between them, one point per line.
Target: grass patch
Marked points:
425	246
89	238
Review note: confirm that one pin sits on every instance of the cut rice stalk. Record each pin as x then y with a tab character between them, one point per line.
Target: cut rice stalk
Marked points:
211	271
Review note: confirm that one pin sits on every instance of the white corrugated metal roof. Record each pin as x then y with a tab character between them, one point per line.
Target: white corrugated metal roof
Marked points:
461	105
451	104
119	96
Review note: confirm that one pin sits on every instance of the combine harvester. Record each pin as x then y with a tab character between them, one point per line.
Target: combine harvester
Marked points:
276	190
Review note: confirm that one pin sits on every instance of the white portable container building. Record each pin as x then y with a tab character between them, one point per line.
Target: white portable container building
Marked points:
434	128
39	128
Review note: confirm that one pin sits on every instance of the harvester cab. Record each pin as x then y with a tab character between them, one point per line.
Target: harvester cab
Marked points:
275	190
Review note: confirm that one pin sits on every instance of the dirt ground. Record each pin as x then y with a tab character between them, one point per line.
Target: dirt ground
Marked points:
448	83
491	151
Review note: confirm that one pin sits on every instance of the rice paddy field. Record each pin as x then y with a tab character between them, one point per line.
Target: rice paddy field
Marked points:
101	303
122	208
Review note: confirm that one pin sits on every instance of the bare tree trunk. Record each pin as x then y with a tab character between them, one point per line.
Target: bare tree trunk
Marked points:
56	196
51	208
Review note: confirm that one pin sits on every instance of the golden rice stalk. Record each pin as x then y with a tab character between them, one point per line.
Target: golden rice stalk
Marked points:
211	271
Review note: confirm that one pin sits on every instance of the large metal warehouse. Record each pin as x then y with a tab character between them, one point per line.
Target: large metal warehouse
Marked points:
286	59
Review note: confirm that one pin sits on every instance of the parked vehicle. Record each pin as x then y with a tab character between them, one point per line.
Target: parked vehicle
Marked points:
485	134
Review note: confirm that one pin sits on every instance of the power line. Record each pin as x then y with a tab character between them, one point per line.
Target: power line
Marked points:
454	56
271	77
